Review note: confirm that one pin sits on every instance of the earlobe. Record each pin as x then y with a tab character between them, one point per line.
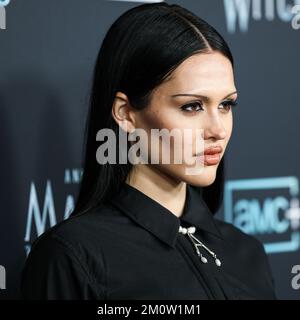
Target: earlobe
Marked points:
126	126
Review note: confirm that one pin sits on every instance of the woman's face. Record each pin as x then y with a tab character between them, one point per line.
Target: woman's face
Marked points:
175	104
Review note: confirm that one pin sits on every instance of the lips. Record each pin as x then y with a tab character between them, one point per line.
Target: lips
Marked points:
210	151
213	150
211	155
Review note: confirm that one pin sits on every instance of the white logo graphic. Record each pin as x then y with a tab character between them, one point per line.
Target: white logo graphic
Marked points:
41	216
3	4
238	13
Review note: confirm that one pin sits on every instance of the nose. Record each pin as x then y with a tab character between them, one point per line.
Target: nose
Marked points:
214	129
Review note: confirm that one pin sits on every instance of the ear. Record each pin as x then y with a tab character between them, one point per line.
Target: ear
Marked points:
122	112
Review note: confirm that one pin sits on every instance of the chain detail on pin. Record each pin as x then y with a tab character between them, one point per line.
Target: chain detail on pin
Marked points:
197	243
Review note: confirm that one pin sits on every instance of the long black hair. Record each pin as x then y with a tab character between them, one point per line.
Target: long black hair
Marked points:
140	51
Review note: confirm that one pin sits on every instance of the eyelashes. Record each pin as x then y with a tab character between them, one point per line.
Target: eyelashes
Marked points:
191	107
229	104
197	106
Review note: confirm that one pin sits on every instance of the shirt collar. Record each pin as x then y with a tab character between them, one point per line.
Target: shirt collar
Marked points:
157	219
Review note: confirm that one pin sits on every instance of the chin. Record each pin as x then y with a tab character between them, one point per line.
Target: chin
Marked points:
205	178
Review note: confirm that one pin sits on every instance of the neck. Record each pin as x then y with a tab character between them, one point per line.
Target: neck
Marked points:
169	193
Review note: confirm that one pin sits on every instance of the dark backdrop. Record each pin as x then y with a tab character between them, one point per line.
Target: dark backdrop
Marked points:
47	54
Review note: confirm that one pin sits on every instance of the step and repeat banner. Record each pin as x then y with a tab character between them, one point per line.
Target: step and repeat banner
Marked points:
47	54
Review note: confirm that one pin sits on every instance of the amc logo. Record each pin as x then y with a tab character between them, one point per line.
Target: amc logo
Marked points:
267	208
3	4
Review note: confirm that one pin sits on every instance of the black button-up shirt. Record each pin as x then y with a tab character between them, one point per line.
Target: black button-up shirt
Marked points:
131	248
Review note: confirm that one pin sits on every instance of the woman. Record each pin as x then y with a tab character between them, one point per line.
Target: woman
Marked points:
145	230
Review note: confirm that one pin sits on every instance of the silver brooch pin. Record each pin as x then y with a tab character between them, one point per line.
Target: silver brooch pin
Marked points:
197	243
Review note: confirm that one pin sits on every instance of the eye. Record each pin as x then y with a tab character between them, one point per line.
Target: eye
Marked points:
195	106
229	104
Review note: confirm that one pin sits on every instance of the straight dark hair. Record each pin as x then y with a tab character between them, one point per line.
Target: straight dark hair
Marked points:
140	51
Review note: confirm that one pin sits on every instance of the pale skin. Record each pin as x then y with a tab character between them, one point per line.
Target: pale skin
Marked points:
209	75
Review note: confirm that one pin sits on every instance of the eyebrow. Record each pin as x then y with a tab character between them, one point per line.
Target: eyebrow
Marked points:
198	95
